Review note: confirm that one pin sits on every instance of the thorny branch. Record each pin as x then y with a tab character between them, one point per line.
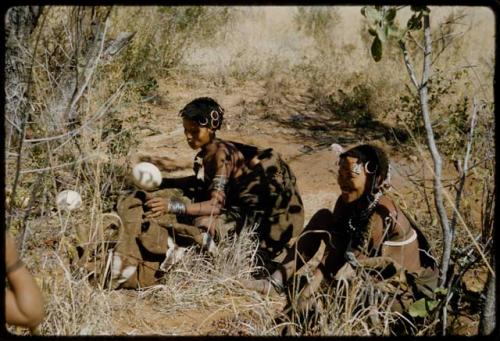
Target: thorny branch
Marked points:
90	72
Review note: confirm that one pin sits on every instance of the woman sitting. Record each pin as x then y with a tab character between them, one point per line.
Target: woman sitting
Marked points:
365	230
234	185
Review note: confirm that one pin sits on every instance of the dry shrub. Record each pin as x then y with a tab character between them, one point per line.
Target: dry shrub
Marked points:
210	284
73	307
358	307
302	64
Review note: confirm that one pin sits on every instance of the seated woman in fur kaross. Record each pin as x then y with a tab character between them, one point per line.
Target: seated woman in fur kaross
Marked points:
365	230
233	182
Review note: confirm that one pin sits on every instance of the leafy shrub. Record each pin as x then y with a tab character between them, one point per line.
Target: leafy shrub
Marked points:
316	21
163	36
450	110
353	107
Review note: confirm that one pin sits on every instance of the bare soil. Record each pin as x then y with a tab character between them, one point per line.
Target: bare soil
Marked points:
305	148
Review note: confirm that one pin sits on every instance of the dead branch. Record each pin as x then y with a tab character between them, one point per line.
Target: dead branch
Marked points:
39	170
102	110
23	123
409	65
89	73
488	317
465	168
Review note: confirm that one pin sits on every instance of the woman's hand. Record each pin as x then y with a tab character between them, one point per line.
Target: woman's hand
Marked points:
157	206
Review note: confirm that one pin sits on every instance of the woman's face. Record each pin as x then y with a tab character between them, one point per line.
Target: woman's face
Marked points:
196	135
352	178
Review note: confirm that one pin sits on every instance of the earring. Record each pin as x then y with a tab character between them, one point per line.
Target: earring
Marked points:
203	123
367	170
214	115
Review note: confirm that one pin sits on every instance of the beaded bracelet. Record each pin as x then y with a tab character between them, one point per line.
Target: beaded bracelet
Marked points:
18	263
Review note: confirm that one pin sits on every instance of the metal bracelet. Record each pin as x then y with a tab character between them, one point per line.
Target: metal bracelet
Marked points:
176	206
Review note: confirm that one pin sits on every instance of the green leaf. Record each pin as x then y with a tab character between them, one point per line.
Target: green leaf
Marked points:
393	31
382	32
422	307
422	9
441	291
414	23
390	15
373	14
376	49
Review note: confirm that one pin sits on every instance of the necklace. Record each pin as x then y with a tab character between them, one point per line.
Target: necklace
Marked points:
364	214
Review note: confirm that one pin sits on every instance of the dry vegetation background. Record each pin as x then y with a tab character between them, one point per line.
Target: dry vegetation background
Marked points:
79	110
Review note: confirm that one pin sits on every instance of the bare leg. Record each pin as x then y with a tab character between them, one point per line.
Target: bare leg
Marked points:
306	299
300	253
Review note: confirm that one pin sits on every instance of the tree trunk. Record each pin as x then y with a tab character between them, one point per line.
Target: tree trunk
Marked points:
488	316
438	186
19	24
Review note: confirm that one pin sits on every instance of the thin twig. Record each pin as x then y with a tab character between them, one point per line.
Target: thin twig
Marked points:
415	41
465	168
102	110
409	65
23	122
90	157
90	73
445	46
19	130
448	197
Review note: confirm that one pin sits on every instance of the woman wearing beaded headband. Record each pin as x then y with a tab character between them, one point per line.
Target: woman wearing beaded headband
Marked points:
233	182
366	228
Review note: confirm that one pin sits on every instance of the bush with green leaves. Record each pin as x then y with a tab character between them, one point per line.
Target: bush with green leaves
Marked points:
351	107
450	111
383	27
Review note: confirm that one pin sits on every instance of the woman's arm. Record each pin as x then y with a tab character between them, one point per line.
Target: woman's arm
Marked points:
183	183
23	300
167	164
223	169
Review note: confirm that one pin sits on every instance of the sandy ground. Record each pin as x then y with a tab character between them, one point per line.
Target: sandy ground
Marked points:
313	163
283	122
314	166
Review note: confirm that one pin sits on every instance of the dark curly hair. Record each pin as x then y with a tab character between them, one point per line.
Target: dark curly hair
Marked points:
375	159
204	110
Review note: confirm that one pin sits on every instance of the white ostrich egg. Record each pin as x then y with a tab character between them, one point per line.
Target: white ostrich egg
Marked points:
146	176
337	148
68	200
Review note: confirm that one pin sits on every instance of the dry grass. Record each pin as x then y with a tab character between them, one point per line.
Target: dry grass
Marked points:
296	70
